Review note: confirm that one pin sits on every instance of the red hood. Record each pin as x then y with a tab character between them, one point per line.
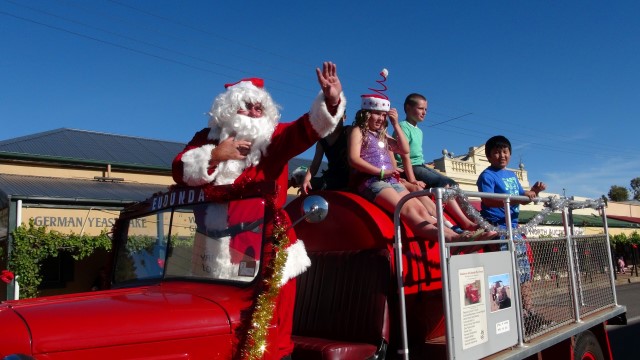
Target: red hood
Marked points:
14	335
126	316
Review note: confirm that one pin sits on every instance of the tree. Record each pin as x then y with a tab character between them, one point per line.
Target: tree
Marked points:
635	186
618	193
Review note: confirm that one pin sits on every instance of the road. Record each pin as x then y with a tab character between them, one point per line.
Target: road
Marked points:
624	339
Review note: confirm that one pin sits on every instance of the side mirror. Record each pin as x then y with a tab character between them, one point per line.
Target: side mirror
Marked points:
314	208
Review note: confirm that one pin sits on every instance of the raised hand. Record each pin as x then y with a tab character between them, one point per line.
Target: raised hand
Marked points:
329	83
393	116
538	187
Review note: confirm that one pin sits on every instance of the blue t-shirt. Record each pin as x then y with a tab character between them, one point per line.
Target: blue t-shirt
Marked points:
499	181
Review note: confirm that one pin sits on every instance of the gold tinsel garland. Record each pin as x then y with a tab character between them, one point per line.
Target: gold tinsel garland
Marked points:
256	340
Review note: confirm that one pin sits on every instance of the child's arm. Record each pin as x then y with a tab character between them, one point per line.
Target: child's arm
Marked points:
355	161
538	187
411	186
313	169
535	190
399	145
486	184
408	172
358	163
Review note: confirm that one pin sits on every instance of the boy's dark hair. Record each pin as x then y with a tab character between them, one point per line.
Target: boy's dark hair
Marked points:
412	99
496	142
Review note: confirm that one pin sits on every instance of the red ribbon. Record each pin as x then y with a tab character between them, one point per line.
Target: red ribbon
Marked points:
384	87
6	276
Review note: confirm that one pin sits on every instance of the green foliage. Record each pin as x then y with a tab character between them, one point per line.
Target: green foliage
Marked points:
146	242
31	245
634	238
635	186
140	242
618	193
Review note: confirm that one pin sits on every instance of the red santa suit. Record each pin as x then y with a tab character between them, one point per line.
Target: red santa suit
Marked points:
191	167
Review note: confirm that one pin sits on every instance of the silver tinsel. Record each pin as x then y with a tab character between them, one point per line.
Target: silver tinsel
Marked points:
551	204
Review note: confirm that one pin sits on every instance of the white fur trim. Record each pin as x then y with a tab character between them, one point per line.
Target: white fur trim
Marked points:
217	258
195	164
321	120
297	262
229	170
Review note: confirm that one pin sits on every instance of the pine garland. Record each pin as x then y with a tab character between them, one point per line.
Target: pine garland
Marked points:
256	340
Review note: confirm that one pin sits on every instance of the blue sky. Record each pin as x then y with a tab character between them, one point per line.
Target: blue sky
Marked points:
560	79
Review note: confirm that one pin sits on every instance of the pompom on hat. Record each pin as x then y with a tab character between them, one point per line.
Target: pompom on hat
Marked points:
378	101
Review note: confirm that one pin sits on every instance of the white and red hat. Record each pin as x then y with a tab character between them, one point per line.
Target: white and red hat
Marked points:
257	82
379	101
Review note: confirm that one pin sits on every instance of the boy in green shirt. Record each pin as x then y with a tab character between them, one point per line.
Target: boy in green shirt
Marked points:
415	108
417	174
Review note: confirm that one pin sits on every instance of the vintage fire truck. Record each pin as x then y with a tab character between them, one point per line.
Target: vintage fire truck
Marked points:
373	290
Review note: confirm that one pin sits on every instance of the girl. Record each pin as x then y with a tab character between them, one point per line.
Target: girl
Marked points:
377	178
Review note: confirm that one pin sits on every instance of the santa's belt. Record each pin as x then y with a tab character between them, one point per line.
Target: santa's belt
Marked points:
235	229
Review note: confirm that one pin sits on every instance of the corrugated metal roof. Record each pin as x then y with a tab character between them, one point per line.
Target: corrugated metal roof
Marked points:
87	146
70	190
78	146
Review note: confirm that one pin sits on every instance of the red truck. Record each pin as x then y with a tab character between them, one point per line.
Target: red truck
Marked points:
373	291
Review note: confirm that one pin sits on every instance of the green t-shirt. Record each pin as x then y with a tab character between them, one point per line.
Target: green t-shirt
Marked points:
414	137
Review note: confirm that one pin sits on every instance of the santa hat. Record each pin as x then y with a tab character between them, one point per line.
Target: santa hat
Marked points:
379	101
257	82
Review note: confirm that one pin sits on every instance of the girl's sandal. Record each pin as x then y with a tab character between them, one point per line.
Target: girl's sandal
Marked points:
470	236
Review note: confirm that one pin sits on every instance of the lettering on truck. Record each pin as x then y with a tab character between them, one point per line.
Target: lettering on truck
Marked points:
179	197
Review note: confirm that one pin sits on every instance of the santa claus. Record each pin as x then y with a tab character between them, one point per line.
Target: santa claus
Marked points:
245	142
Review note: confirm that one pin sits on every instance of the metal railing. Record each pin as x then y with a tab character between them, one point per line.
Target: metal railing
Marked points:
579	266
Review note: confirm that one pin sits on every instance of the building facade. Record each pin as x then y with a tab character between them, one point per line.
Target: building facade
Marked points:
75	181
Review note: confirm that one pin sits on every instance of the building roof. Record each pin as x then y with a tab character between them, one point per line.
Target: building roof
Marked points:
630	219
81	147
72	191
578	220
73	146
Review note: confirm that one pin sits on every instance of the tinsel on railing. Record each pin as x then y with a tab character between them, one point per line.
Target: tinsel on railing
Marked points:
589	203
551	204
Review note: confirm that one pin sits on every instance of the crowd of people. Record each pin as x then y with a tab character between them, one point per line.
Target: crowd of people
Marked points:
244	141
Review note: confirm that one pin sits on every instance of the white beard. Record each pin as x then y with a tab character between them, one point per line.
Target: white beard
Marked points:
258	131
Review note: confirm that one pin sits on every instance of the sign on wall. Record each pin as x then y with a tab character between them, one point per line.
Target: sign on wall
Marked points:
551	231
87	221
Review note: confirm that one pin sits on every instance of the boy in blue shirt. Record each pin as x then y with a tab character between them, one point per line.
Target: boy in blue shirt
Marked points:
497	179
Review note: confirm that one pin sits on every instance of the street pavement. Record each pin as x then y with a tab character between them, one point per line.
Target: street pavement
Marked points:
628	277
